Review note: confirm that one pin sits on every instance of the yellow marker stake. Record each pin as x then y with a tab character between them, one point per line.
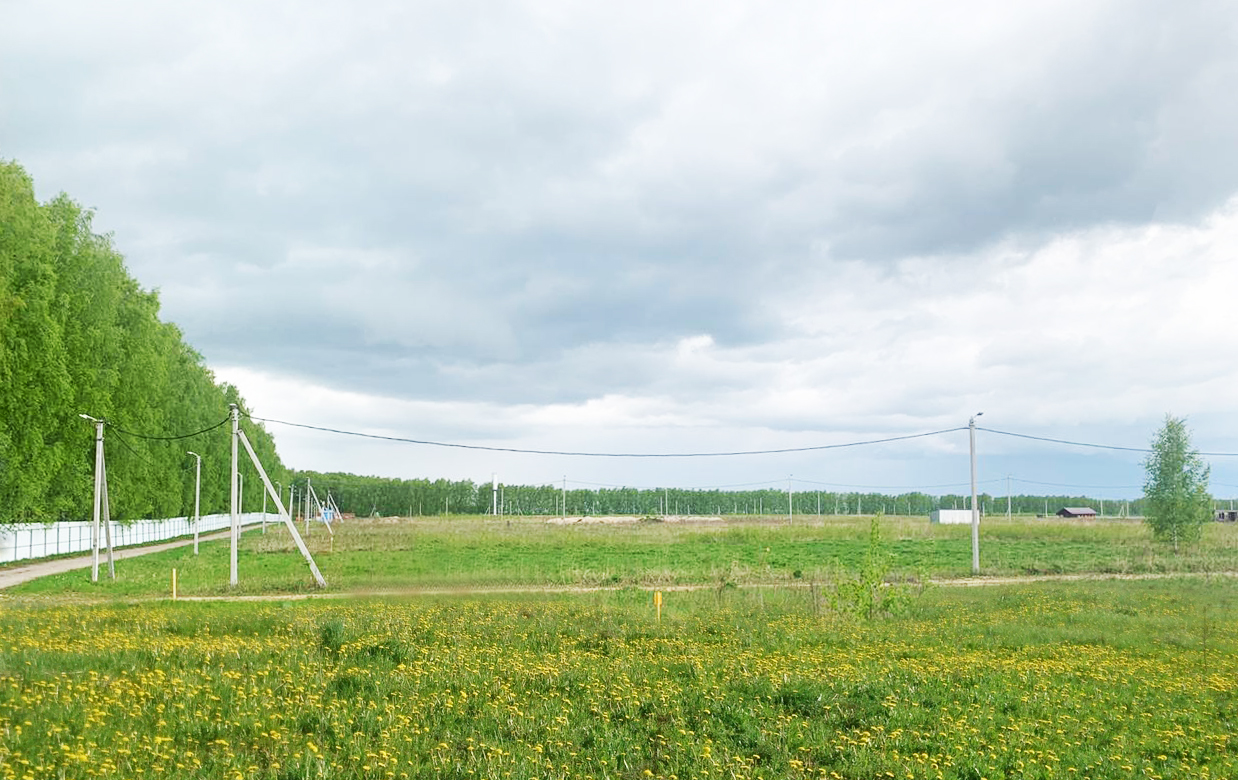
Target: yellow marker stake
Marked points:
657	602
174	584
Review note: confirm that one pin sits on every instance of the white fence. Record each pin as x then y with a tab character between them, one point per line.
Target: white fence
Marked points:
38	540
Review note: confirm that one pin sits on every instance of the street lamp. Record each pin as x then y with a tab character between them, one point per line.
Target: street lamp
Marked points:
975	509
197	495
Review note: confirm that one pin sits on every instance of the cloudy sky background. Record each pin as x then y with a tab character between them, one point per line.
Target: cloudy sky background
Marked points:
683	227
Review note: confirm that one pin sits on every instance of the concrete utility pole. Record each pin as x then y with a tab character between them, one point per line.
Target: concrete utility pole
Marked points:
197	496
1007	496
975	509
790	503
94	528
233	489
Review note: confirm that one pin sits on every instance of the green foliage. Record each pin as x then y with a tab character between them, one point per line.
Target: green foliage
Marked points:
866	593
79	335
1176	487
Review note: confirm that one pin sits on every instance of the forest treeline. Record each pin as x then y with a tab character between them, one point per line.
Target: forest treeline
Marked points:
387	497
78	335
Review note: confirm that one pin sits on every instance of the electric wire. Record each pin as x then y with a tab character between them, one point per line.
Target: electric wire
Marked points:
843	445
1064	484
129	447
219	424
897	487
1095	446
523	451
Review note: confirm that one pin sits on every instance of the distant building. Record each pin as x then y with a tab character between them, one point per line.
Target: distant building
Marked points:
1076	511
951	516
1226	515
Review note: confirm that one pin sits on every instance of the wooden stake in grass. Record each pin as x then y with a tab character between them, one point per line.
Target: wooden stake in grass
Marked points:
657	602
174	584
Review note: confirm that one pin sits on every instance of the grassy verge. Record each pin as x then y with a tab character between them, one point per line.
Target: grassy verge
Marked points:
476	552
1088	680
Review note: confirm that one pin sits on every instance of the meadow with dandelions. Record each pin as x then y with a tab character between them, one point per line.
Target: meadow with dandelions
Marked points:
1048	680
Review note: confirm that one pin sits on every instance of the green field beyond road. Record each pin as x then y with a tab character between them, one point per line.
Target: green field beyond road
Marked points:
464	553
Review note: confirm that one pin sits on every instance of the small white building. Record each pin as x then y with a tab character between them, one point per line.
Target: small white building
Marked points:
951	516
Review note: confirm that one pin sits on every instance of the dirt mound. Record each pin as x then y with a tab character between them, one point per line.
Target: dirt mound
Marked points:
631	519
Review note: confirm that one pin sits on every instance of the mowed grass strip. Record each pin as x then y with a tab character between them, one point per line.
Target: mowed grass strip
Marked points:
479	552
1088	680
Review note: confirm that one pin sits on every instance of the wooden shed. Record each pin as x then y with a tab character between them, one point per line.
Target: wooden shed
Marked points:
1076	511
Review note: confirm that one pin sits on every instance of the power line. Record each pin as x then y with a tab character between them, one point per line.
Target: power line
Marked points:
606	454
1087	487
219	424
1095	446
136	454
898	487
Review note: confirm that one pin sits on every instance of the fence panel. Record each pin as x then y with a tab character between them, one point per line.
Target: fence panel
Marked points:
31	541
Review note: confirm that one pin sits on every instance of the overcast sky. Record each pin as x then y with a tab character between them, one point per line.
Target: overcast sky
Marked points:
670	227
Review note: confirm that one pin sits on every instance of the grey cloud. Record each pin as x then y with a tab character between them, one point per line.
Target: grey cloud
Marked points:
561	196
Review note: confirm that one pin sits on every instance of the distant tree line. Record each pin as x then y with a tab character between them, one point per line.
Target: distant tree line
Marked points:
79	336
390	497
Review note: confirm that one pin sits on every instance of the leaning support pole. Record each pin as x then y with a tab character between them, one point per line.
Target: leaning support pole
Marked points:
94	528
315	501
335	511
283	513
107	525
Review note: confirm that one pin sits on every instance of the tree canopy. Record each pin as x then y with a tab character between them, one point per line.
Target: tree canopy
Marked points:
1176	488
78	335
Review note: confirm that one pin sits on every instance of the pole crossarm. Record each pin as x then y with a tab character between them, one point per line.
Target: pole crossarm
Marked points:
283	513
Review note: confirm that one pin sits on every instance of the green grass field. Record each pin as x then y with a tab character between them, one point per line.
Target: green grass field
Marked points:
477	552
1089	680
753	675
